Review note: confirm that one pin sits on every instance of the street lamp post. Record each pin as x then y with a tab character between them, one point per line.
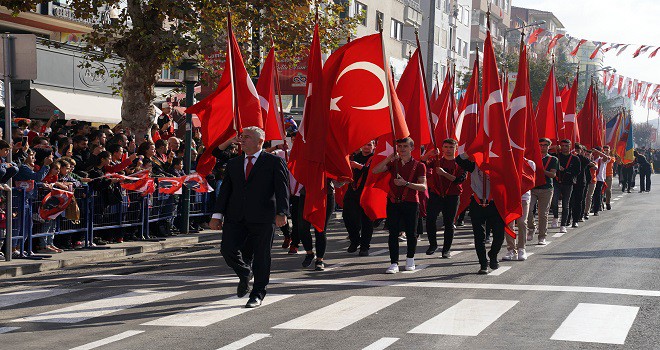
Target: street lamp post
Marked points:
190	70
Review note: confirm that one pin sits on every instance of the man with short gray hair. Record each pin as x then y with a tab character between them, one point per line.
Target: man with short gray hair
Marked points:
253	198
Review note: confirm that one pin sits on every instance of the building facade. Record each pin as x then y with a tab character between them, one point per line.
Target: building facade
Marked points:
500	22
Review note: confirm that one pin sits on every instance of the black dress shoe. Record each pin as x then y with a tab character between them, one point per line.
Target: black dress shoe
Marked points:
243	287
352	248
364	252
608	206
308	260
431	250
253	302
483	271
494	265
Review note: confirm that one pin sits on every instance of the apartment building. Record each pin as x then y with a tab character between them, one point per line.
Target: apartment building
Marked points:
500	22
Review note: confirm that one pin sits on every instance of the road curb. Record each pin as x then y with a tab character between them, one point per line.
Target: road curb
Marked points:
21	267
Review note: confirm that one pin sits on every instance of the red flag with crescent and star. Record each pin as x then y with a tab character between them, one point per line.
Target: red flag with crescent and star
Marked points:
235	96
492	149
546	116
356	87
55	203
411	93
266	90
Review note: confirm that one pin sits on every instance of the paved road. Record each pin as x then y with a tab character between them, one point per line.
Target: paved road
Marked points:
596	287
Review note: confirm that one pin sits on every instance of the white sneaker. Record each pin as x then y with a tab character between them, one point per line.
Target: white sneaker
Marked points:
510	255
542	241
563	229
410	264
394	268
402	237
522	255
555	223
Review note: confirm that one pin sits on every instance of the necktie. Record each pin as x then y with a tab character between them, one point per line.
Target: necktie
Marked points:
249	166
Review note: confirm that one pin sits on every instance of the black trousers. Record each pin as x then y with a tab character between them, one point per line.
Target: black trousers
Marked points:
480	217
645	181
402	217
321	240
296	219
360	228
628	175
565	190
597	203
578	196
448	206
246	247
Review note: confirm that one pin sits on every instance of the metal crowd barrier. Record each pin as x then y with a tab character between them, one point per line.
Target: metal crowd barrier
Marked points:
134	210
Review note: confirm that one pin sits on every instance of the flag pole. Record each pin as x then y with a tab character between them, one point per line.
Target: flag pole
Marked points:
484	200
554	99
278	90
236	120
389	94
426	92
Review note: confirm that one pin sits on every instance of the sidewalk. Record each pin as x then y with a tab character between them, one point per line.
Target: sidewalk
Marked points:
19	267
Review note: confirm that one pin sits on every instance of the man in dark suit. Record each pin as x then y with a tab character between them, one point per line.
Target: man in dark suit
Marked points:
253	198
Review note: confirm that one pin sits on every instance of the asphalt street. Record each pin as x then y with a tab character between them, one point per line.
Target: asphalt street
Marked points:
596	287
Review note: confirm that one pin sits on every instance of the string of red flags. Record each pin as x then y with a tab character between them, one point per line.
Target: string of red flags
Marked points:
541	35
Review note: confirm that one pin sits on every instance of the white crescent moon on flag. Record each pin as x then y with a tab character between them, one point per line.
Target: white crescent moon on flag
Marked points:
376	71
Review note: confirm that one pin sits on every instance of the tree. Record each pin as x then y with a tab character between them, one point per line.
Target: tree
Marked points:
151	34
643	134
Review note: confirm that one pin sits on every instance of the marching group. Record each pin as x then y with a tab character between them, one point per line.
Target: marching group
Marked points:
419	191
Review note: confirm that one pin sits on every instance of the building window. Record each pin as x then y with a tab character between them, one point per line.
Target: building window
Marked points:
379	20
458	46
447	6
361	10
466	15
436	35
443	43
465	49
435	68
396	30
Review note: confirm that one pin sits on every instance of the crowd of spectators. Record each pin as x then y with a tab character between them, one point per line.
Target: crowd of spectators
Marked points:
68	154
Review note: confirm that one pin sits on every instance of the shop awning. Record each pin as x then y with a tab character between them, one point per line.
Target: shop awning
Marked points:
85	107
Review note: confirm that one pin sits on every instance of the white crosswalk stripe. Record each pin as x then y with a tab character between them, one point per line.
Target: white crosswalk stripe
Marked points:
417	268
8	329
340	314
84	311
499	271
214	312
15	298
468	317
382	343
108	340
597	323
250	339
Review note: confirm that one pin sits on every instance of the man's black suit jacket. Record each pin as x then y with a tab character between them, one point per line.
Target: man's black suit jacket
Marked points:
258	199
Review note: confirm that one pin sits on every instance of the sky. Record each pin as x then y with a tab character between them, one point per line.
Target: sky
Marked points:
634	22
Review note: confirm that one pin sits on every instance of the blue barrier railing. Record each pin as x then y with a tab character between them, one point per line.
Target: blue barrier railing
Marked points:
134	210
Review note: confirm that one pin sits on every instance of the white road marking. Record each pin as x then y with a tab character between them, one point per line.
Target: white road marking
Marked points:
163	278
340	314
543	245
214	312
558	234
381	344
96	308
108	340
617	198
15	298
499	271
239	344
379	252
334	266
468	317
529	254
8	329
417	268
456	285
597	323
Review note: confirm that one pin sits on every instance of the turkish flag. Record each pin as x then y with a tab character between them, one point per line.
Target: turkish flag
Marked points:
197	183
141	183
169	185
232	106
534	36
586	120
571	129
554	40
55	203
575	50
412	94
266	89
307	158
466	123
356	86
374	195
523	138
546	116
492	150
440	111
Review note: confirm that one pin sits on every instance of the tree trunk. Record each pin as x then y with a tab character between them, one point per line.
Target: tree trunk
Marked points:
137	111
